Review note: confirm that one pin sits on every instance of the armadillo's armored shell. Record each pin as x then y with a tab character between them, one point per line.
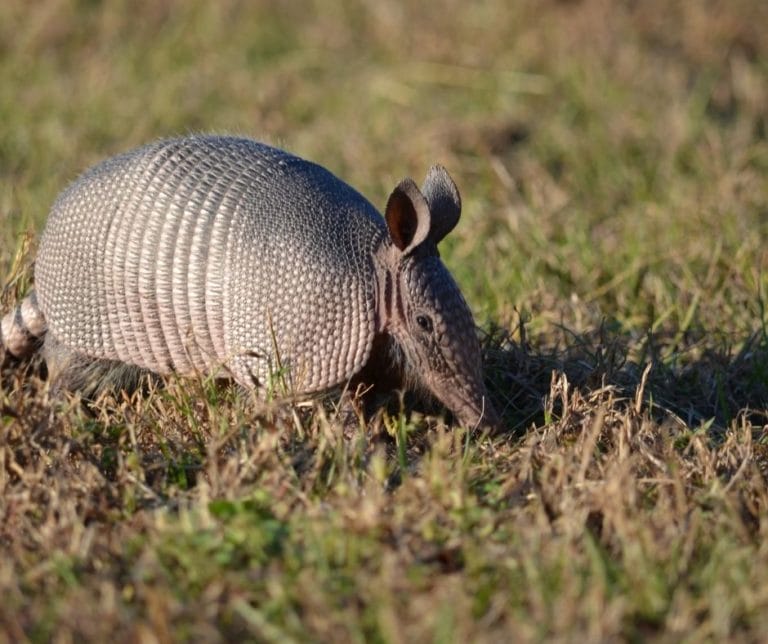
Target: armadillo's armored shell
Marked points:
208	253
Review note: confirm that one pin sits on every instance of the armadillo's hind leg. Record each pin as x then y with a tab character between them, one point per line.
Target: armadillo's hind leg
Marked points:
22	330
72	371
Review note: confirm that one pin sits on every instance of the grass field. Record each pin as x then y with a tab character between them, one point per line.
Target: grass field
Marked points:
613	162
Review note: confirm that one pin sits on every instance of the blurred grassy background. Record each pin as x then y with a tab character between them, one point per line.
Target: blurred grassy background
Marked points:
613	162
612	152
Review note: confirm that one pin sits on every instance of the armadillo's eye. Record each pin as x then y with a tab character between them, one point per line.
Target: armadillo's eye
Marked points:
424	322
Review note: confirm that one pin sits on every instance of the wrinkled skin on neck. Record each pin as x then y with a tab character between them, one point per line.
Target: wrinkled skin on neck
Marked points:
421	308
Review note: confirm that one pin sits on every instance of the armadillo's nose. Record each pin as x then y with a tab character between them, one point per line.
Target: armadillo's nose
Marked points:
471	405
481	415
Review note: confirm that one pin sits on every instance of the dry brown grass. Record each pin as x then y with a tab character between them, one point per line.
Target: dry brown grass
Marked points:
187	513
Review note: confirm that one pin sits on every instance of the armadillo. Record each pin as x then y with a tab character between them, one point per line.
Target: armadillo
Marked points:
225	256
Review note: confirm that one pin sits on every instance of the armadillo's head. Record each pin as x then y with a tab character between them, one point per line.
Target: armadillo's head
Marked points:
420	305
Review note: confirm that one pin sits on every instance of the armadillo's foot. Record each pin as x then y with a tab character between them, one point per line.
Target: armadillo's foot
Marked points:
365	408
351	413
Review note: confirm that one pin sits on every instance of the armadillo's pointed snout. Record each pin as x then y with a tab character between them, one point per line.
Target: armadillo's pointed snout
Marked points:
472	408
480	414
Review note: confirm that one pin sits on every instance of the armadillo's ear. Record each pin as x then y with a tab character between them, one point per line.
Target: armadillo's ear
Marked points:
444	201
408	216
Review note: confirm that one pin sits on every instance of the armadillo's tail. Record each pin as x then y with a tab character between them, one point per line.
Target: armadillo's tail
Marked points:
22	330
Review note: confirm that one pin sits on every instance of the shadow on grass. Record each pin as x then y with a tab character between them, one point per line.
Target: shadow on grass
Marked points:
704	381
153	446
